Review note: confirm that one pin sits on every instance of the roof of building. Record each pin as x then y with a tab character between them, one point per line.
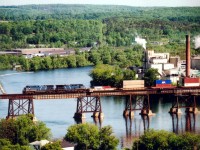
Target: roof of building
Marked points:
39	143
8	52
65	143
196	57
37	50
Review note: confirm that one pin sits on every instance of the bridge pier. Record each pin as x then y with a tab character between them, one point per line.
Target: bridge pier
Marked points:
190	123
88	105
184	101
17	107
141	103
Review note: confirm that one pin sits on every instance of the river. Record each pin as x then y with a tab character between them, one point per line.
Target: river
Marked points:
58	114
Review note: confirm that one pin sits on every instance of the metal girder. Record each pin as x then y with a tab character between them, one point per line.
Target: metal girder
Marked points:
17	107
184	101
141	102
88	104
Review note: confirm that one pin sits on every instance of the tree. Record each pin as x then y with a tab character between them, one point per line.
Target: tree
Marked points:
129	74
150	76
23	130
103	75
6	145
108	140
71	61
80	60
153	139
95	57
52	146
88	136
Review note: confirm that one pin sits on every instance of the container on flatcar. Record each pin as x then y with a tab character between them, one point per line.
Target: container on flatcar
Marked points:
163	83
131	84
102	88
98	87
187	82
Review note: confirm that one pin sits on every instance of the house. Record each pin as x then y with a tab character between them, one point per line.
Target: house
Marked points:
65	145
38	144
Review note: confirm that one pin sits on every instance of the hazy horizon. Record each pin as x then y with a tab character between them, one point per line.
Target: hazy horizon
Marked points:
140	3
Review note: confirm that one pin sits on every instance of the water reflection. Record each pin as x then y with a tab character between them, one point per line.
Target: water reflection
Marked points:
178	123
135	127
97	121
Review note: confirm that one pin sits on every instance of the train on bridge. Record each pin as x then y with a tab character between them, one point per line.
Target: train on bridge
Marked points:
127	85
36	89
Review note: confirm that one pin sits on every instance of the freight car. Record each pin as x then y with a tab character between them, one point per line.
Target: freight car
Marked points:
101	88
189	82
34	89
160	84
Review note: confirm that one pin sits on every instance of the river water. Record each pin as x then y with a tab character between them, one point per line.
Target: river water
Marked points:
58	114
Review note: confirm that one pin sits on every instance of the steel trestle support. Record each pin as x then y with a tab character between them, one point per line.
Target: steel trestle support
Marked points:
184	101
88	105
141	103
17	107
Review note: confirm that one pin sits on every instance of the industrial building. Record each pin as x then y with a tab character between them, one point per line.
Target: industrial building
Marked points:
195	62
172	68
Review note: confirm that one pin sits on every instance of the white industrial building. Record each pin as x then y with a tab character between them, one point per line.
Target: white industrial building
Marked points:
158	61
170	67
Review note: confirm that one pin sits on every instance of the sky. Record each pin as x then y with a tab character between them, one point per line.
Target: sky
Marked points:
168	3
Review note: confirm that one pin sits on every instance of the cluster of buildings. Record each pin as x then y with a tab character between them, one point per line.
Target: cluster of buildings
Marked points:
43	52
170	67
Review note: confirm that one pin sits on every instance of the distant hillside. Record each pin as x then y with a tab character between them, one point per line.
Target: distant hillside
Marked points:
59	11
164	28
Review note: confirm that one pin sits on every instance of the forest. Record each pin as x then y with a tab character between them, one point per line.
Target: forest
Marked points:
108	29
85	25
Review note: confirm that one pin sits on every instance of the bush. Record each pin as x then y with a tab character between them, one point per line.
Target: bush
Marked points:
158	140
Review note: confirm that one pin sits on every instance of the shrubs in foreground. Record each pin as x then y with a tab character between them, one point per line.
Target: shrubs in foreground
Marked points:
159	140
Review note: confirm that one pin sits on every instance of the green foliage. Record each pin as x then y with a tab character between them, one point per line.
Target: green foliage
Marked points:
110	75
90	25
152	140
150	76
6	145
88	136
109	142
52	146
23	130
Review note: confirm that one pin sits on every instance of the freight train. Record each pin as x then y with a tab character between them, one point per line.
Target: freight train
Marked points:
127	85
33	89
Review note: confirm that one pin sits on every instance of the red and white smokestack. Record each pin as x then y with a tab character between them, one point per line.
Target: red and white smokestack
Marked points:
187	55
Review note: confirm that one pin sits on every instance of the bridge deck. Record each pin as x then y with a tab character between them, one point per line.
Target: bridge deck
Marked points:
101	93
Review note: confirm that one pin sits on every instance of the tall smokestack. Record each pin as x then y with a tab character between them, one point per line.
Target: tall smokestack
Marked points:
187	55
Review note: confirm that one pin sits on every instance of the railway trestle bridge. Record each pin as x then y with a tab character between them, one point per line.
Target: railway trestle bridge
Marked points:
90	102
